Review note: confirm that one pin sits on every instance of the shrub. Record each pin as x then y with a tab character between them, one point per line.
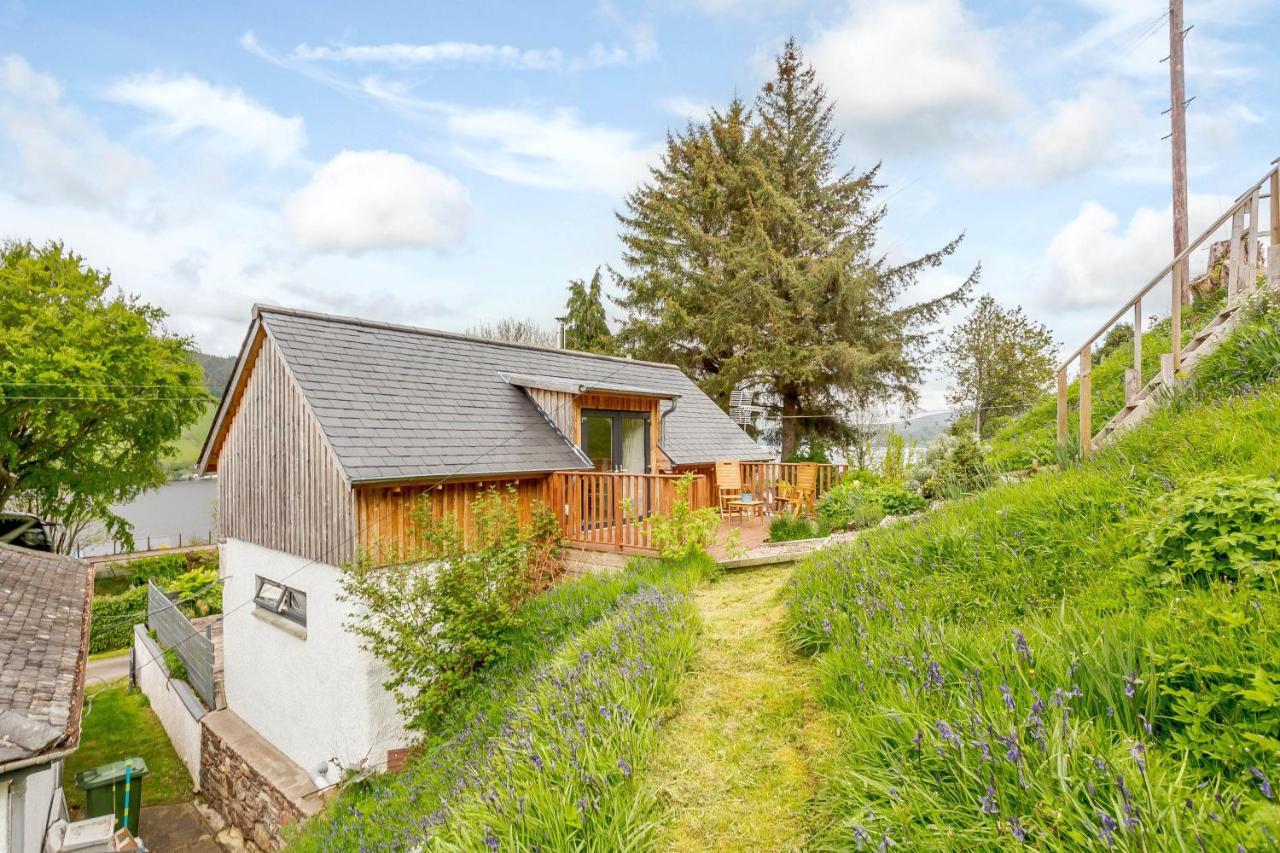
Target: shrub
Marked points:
683	531
1217	528
896	499
787	528
114	617
848	506
441	614
198	591
894	463
953	466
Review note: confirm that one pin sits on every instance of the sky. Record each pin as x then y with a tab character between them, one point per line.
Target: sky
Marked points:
449	164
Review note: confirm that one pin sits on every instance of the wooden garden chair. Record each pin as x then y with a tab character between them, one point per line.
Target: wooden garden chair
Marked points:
729	489
801	494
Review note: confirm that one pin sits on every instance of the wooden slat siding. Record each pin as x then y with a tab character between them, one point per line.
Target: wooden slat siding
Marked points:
559	407
279	486
383	513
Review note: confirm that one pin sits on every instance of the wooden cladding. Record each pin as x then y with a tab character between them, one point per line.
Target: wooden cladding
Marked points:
622	403
279	485
611	510
383	513
559	407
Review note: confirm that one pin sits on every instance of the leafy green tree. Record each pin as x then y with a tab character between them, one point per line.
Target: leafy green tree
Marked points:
1000	361
93	390
586	328
750	258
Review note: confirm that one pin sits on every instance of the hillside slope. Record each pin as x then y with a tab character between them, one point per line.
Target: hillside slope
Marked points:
1090	658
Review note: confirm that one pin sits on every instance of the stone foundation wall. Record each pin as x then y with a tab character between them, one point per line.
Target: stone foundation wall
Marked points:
243	796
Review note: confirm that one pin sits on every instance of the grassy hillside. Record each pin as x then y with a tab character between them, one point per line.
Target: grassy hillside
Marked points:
1090	658
1033	435
187	449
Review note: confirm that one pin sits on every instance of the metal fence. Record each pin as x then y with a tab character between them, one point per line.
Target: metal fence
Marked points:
175	631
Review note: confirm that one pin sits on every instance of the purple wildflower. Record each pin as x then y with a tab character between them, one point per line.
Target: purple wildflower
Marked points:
826	626
1016	830
945	732
1139	751
1008	697
1106	827
537	761
1020	641
624	767
988	801
1130	683
1264	784
489	840
933	678
860	836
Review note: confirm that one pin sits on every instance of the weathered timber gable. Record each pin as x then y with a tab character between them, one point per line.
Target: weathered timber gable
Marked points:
279	483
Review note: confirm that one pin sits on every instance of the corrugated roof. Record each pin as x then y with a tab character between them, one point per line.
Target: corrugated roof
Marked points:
44	612
398	403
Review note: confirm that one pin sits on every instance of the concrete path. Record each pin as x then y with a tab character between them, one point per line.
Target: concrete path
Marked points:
178	828
733	765
106	669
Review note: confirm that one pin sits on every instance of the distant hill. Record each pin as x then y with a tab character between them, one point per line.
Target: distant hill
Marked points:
217	371
921	429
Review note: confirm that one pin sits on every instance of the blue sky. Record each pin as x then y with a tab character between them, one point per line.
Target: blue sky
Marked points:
450	164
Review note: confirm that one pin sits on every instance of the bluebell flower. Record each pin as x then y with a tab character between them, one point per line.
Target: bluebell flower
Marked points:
1020	641
1264	784
1130	683
988	801
1008	697
1139	751
1016	830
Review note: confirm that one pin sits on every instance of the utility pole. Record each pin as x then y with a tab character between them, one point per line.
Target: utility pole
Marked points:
1178	144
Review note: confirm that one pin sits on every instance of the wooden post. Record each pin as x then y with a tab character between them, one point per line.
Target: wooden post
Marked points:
1273	253
1137	352
1178	144
1235	264
1175	319
615	490
1251	245
1062	406
1086	400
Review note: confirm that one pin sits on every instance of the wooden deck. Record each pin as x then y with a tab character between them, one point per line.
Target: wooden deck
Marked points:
752	531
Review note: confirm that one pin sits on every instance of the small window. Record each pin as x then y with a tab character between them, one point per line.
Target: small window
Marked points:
276	597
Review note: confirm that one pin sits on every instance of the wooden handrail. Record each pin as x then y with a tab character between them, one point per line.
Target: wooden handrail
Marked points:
1241	272
608	509
1185	254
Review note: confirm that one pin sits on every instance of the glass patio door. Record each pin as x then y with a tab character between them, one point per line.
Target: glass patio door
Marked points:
617	442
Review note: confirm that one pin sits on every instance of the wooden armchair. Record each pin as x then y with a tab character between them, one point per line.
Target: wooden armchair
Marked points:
729	489
801	494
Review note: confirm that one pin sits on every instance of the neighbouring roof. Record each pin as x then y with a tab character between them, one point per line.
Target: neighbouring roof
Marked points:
44	641
399	403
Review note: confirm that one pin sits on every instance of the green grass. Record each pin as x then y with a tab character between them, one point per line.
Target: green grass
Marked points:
1005	668
733	763
186	451
119	723
543	748
1033	434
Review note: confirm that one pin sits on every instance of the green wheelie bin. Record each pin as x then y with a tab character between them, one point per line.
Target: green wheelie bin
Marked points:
114	788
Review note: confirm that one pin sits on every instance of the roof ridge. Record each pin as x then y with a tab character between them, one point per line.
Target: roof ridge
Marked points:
43	555
260	309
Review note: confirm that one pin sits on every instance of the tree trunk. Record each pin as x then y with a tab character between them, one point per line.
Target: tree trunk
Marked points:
790	424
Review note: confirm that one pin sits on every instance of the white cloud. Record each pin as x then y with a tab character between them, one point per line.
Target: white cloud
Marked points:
553	149
234	121
1071	137
686	107
399	53
363	200
63	156
1093	261
913	72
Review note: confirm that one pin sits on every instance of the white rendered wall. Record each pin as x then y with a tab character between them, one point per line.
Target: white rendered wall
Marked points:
311	692
179	724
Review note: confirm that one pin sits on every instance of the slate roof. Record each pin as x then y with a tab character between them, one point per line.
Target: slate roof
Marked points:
398	402
44	641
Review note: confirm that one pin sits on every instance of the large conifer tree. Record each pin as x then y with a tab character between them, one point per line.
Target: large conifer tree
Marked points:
586	327
751	259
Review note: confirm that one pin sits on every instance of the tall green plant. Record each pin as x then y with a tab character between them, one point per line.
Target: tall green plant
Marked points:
683	531
443	611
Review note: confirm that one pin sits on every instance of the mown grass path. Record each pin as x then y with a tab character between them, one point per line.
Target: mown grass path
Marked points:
733	765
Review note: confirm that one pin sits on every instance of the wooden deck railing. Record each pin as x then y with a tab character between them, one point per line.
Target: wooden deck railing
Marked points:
762	478
611	510
1241	270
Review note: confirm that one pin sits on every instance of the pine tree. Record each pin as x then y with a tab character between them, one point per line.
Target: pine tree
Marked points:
752	260
586	328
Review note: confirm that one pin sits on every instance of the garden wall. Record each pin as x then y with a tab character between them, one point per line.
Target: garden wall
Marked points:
173	701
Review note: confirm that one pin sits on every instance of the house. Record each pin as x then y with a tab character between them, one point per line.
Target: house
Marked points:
44	644
332	428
